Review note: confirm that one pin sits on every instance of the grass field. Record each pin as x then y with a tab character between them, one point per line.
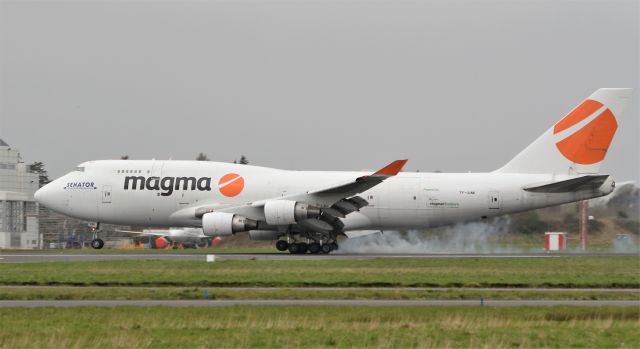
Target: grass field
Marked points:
324	327
605	272
171	293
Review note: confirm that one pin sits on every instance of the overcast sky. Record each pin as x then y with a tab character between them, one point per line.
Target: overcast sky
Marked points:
340	85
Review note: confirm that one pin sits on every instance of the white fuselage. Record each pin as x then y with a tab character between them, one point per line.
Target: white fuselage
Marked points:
99	191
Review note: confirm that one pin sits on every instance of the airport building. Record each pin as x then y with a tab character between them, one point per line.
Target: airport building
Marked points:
18	209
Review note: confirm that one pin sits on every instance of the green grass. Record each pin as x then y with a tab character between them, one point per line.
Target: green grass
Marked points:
320	327
606	272
173	293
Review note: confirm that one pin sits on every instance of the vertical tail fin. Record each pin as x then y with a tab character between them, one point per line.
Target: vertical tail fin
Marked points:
577	143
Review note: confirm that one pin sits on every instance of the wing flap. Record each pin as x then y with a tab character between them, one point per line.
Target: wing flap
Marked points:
358	233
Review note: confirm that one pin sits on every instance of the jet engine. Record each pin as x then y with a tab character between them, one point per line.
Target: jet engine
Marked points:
283	212
224	224
161	243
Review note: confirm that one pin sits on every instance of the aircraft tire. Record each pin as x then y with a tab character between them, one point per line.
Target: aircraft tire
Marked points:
334	246
294	248
97	244
326	248
314	248
282	245
303	247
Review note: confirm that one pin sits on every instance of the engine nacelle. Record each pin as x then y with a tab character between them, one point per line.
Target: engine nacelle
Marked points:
224	224
264	235
283	212
161	242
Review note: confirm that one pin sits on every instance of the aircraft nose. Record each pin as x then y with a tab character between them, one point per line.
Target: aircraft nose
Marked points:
45	195
38	195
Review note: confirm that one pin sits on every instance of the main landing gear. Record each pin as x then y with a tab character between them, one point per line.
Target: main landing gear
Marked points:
303	247
96	242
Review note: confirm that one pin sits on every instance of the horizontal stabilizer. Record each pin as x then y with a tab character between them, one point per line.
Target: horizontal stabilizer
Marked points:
591	182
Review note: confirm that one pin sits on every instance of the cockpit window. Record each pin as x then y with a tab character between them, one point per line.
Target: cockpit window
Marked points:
80	169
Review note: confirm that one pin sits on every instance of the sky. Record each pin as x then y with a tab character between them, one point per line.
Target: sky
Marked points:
453	86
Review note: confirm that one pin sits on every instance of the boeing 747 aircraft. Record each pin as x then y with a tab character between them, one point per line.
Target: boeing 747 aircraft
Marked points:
307	210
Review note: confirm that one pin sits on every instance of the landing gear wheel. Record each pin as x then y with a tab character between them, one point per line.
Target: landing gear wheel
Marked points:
294	248
282	245
326	248
314	248
334	246
303	247
97	244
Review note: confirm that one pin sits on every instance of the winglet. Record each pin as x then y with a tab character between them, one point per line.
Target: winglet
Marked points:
392	169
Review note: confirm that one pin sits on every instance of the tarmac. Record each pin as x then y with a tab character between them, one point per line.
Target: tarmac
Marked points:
71	257
312	302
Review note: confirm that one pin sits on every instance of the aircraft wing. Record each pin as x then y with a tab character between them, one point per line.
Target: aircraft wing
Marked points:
328	196
148	232
336	201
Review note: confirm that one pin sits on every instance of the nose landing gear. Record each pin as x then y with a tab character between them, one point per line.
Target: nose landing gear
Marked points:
96	242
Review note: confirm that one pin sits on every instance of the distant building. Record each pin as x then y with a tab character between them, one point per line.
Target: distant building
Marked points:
18	209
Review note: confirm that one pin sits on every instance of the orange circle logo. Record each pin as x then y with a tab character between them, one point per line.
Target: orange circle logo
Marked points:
589	144
231	184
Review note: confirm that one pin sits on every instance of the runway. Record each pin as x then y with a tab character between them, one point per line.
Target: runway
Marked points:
312	302
71	257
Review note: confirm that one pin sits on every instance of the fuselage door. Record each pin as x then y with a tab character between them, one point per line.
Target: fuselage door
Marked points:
106	194
494	200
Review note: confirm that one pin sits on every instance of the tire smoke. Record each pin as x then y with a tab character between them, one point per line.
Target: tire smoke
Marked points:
475	237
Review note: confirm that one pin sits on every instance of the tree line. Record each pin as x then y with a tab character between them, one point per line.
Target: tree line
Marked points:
203	157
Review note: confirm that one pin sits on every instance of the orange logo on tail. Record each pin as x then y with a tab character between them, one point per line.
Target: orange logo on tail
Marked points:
589	144
231	184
